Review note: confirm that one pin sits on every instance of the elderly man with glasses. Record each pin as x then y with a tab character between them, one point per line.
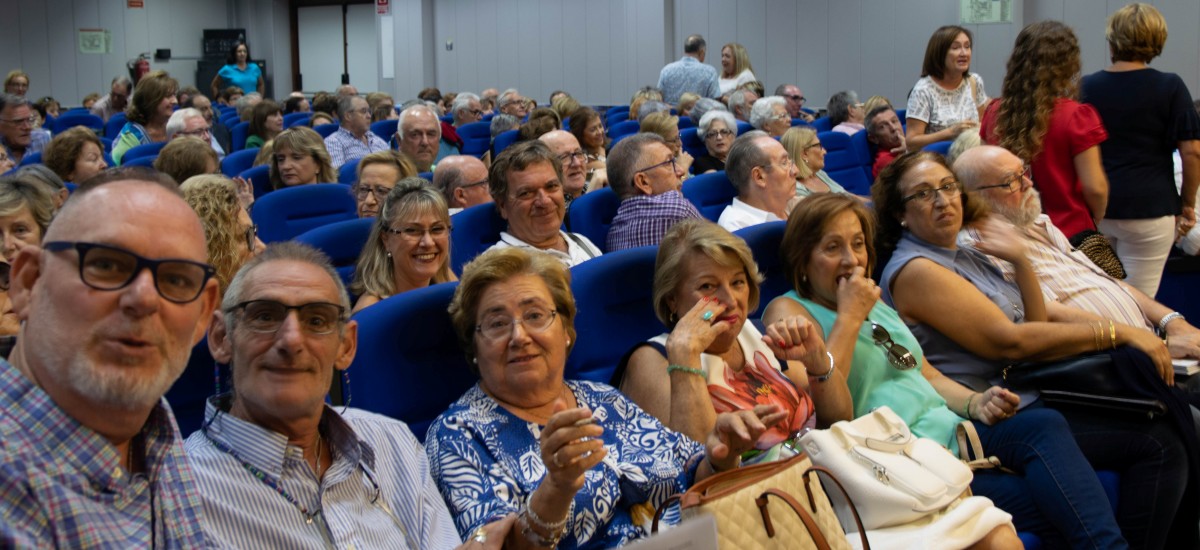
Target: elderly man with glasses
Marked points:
463	181
574	162
111	305
17	133
643	172
354	138
765	178
278	467
795	101
116	100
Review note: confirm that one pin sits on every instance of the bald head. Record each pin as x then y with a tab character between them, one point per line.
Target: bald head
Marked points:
131	202
977	166
1001	180
462	179
566	147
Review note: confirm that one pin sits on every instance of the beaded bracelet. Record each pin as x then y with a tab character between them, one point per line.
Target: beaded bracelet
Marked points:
537	539
556	530
548	526
673	367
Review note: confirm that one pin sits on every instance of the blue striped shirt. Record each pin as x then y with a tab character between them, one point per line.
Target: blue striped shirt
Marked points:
63	486
240	511
343	147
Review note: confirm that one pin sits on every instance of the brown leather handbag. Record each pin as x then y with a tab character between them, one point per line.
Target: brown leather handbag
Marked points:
748	517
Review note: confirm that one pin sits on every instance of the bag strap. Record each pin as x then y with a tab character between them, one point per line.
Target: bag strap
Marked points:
812	501
658	514
970	449
579	242
814	531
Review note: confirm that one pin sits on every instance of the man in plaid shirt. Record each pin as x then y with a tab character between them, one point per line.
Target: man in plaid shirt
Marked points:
643	172
110	307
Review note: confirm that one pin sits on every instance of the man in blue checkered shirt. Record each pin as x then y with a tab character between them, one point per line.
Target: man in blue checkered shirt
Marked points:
110	307
643	172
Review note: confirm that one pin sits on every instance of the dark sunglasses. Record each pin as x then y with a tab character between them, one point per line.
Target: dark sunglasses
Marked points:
898	355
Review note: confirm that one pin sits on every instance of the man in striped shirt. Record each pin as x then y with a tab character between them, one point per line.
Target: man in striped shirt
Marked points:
1066	275
111	305
276	466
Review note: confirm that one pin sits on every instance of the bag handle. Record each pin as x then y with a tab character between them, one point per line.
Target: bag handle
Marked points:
814	531
658	514
812	501
970	449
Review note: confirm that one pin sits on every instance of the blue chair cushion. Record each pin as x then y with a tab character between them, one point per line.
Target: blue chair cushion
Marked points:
591	215
342	242
710	193
613	298
475	229
285	213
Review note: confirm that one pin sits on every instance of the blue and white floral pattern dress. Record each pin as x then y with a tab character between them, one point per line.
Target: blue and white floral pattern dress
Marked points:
487	462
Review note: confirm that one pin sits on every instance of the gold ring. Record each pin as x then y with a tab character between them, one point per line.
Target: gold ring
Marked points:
480	535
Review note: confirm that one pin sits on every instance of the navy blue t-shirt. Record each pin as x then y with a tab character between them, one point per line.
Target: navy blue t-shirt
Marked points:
1146	113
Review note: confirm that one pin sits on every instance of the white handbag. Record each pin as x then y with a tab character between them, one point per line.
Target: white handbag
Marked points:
892	476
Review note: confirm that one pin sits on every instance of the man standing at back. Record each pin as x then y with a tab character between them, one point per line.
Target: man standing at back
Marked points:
689	74
110	306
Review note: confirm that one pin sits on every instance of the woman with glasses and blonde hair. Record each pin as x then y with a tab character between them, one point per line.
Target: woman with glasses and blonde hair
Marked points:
152	105
378	173
409	244
666	126
808	155
300	158
230	235
736	69
828	255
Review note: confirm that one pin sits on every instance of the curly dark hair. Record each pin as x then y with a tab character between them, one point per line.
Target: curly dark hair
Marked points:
1043	67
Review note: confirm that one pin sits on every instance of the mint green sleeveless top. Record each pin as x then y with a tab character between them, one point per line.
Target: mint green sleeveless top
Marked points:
874	382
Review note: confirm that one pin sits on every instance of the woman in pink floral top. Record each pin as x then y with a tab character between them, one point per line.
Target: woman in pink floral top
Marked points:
713	360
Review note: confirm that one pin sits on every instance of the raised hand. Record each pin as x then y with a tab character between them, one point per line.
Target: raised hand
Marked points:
570	447
737	432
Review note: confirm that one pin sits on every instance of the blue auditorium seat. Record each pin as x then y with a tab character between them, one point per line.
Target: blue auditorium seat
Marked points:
146	162
475	229
476	136
296	119
260	178
591	215
31	158
238	135
191	391
427	176
503	140
385	129
70	120
326	129
843	163
743	127
622	129
941	147
342	242
764	240
822	124
710	193
348	173
409	364
615	311
238	162
145	150
285	213
114	125
693	142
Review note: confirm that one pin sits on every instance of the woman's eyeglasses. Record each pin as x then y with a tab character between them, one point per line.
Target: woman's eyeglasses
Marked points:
898	355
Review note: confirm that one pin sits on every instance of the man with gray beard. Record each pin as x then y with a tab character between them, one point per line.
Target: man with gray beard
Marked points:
110	307
1065	274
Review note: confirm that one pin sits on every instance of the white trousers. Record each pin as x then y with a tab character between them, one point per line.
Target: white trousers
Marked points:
1143	246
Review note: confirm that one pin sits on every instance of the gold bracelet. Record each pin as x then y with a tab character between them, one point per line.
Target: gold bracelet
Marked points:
1112	333
1095	334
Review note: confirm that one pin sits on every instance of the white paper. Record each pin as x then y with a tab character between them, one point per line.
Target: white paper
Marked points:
699	533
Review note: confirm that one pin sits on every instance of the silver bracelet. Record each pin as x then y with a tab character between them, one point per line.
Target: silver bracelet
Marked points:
823	377
1162	323
548	526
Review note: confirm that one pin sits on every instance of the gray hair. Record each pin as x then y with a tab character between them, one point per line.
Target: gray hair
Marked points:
124	81
44	175
448	176
509	96
694	44
178	120
345	104
625	156
708	118
462	102
503	122
781	89
762	110
412	110
839	106
650	107
245	103
738	98
11	100
278	252
744	156
706	105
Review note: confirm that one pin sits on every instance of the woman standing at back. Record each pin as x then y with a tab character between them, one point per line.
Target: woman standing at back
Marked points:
1039	120
948	98
735	69
1148	114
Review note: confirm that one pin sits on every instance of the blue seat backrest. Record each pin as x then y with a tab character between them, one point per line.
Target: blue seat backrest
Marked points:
238	135
409	364
326	129
693	143
591	215
838	154
474	230
31	158
238	162
686	122
622	129
385	129
763	240
902	115
941	147
285	213
427	176
342	242
822	124
743	127
146	162
107	146
615	311
503	140
476	136
145	150
195	385
70	120
293	119
710	193
348	173
260	178
114	125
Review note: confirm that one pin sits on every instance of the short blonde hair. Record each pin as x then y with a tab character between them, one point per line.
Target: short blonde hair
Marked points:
1136	32
25	190
388	157
795	140
306	141
741	59
496	266
215	200
700	236
565	105
686	102
660	123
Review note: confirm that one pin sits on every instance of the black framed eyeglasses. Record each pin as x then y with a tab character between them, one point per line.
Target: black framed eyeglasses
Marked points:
898	355
476	184
105	267
670	161
1013	178
380	192
951	189
798	98
266	316
251	236
497	326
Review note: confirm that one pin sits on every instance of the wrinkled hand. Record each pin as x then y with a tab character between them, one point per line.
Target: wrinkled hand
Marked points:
578	448
857	294
994	405
684	161
245	191
1185	221
599	179
1000	239
1149	343
1183	340
737	432
795	339
692	334
496	532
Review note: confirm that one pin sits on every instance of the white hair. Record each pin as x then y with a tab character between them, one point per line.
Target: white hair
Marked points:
178	121
763	109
